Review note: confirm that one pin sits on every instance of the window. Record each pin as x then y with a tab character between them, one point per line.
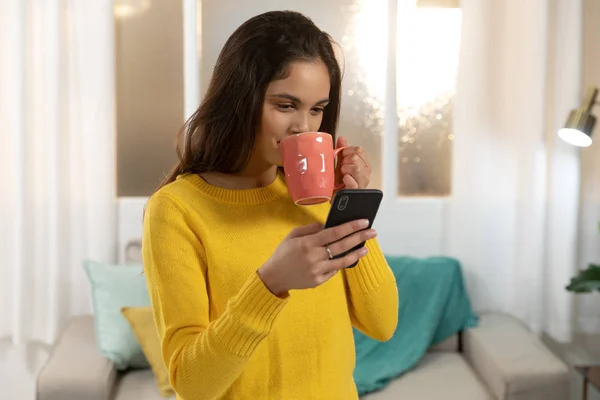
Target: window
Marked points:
428	42
151	94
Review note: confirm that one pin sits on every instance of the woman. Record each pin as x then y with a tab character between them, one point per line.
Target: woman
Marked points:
247	302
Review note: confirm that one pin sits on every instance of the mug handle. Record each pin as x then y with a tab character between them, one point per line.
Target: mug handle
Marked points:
335	154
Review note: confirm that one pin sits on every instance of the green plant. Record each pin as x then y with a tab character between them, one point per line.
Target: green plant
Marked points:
586	281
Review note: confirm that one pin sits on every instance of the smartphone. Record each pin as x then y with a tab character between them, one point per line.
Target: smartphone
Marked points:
351	204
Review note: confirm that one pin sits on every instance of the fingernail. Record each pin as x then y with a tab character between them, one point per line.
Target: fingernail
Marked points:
371	233
363	251
364	223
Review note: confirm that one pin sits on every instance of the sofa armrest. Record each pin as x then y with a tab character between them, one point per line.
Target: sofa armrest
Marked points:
513	362
76	369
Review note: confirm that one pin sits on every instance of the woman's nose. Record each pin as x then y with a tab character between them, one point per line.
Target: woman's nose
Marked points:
300	123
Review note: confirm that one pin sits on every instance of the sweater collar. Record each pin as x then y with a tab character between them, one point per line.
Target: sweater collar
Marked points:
273	191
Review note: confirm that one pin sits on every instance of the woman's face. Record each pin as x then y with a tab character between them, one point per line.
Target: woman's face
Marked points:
292	105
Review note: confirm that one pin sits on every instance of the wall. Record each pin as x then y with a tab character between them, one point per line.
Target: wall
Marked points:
150	94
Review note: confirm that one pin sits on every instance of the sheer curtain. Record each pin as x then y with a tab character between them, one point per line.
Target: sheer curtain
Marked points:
57	169
512	219
589	241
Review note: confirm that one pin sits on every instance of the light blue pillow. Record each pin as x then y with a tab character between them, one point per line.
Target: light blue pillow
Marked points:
114	287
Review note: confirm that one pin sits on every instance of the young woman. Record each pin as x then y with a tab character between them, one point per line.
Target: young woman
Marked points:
247	301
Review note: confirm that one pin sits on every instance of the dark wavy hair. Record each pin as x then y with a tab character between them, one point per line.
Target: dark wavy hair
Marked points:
220	135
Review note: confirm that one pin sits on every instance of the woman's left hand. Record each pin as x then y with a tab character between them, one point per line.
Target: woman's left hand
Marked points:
353	168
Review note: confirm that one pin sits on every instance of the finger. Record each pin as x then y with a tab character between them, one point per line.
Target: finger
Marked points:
305	230
333	234
358	154
350	150
350	169
346	261
341	142
350	182
351	241
353	159
359	175
327	276
357	161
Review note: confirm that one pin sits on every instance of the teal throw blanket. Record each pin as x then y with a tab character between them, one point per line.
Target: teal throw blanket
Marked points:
434	305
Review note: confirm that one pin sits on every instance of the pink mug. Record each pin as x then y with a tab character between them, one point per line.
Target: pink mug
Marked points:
309	166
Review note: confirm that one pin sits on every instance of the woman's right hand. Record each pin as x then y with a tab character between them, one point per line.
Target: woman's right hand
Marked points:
301	260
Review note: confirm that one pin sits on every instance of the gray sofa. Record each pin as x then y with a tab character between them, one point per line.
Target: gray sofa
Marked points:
500	359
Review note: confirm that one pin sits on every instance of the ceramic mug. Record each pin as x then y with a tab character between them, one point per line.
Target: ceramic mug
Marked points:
309	167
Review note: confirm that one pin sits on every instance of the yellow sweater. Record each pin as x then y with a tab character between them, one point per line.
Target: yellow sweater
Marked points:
224	335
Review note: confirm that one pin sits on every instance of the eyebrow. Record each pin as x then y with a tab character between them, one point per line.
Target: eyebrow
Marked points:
295	99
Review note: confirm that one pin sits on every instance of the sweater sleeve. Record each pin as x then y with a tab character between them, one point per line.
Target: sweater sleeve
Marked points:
203	357
372	294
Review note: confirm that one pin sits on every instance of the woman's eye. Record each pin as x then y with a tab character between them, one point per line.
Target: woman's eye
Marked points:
316	111
285	107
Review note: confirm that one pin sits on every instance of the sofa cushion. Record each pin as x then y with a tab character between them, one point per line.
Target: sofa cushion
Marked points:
138	384
450	344
439	375
141	320
513	361
114	287
75	368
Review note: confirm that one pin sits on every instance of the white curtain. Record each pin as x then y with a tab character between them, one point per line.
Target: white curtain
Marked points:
512	219
589	239
57	168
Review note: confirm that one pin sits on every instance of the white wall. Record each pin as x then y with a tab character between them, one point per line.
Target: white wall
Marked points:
130	213
405	227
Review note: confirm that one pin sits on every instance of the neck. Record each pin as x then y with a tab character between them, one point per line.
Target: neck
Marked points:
248	179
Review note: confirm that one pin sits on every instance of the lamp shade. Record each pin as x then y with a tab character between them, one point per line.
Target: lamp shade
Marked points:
580	123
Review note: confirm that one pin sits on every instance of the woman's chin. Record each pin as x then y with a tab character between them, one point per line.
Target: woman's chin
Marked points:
277	161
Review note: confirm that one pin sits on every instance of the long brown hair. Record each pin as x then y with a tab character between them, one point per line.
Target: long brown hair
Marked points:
220	135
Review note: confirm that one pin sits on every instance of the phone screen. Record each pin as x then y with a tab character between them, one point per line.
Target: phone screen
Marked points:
352	204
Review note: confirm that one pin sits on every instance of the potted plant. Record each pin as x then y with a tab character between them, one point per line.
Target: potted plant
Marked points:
588	280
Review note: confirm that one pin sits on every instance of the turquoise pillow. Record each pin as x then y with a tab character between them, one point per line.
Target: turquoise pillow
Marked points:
114	287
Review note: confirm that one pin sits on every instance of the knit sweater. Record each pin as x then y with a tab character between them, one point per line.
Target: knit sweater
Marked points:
223	334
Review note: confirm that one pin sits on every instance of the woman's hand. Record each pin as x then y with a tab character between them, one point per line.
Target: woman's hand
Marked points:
303	260
353	168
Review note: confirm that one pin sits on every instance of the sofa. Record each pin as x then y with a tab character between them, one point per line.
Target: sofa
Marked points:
499	359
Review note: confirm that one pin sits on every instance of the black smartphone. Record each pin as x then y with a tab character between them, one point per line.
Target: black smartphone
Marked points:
351	204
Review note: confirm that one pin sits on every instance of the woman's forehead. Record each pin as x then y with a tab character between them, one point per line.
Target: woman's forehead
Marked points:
306	81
